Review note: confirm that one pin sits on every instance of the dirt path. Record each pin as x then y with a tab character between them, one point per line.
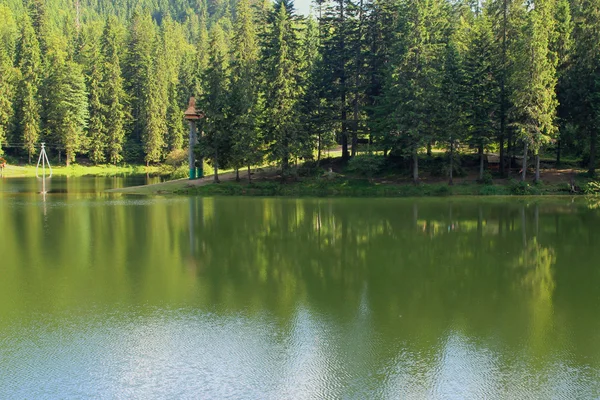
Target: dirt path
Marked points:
178	184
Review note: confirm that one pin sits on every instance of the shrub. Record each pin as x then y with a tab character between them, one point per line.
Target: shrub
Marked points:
592	188
177	158
366	165
521	188
491	190
487	178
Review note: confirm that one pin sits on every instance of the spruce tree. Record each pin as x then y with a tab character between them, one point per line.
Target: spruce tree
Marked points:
113	98
173	46
282	89
8	74
138	73
215	142
27	102
584	77
92	59
155	129
338	54
481	87
414	79
246	141
534	97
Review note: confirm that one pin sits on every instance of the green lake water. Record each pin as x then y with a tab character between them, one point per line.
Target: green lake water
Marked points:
110	296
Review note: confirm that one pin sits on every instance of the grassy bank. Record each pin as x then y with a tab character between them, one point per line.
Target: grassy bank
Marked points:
349	187
375	176
13	171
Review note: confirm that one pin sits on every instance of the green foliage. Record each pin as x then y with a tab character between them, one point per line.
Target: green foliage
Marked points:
407	74
215	141
113	96
282	89
366	165
521	188
592	188
487	179
27	102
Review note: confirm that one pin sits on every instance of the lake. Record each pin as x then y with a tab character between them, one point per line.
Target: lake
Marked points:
108	296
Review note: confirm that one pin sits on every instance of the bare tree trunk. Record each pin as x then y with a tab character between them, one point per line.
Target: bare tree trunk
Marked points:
558	144
592	166
481	163
537	167
509	151
451	162
524	170
357	60
216	165
342	46
249	175
237	174
415	167
429	149
319	148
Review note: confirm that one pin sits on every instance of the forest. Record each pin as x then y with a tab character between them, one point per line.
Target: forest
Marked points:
108	81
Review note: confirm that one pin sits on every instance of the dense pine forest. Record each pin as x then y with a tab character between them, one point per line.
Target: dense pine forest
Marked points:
108	81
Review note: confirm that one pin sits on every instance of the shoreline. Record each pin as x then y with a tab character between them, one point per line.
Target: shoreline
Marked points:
28	171
344	187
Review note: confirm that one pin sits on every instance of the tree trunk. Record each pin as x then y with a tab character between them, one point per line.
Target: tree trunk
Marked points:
592	167
524	165
319	148
415	167
30	157
502	166
428	149
342	46
537	167
216	165
357	62
509	155
481	163
451	182
557	154
249	175
237	174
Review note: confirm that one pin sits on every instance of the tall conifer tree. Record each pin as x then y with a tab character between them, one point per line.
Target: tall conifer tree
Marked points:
27	102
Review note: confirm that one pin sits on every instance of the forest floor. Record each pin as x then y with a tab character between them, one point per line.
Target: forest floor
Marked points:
267	182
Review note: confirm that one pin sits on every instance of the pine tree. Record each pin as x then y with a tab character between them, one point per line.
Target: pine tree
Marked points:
174	48
215	142
65	100
584	76
317	113
202	48
138	73
413	84
246	141
450	113
338	54
534	99
27	102
155	130
75	110
481	87
39	20
92	59
282	89
8	74
113	98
